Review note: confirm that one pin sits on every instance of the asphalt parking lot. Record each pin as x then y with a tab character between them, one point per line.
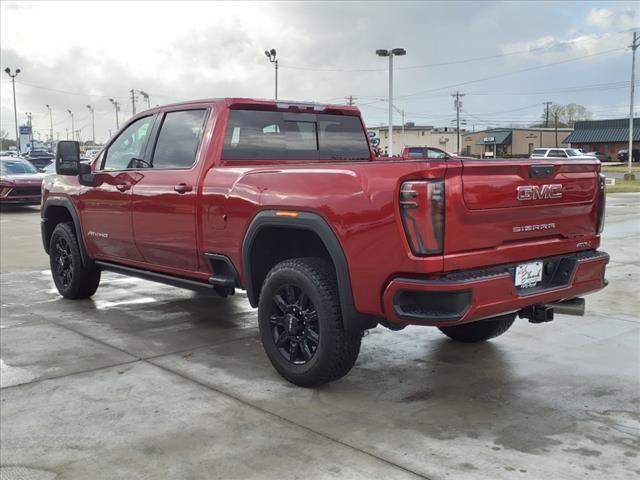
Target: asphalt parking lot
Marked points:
148	381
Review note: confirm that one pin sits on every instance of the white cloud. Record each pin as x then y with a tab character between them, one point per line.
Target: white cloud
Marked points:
620	20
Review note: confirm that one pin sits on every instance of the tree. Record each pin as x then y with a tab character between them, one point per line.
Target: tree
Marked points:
574	112
566	115
6	142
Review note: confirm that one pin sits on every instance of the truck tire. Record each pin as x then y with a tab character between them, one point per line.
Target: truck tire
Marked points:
301	324
480	331
72	279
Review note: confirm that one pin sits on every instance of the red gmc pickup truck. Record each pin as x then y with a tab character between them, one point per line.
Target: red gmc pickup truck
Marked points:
287	201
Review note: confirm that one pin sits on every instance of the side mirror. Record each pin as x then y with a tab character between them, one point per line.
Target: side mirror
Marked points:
68	158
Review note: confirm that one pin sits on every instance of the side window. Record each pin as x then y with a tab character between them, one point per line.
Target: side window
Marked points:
557	153
128	149
416	152
179	139
432	153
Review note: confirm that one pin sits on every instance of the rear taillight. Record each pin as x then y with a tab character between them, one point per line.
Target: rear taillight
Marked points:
422	210
602	196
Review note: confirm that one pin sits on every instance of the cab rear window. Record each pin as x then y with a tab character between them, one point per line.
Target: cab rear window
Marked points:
263	135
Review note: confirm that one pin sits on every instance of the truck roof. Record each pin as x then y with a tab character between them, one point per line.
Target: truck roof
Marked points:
267	104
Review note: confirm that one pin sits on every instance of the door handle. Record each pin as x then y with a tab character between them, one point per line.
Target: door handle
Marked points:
123	187
183	188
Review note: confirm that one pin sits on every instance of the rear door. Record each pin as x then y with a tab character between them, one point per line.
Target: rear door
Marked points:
164	199
508	202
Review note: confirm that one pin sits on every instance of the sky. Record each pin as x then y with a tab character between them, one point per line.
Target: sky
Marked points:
506	57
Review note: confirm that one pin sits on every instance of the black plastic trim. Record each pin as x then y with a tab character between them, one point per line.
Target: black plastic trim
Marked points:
432	306
222	280
353	320
540	171
68	204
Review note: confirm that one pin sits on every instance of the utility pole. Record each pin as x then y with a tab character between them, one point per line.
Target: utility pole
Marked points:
391	53
116	105
546	123
72	125
271	55
634	47
351	100
133	101
50	124
556	122
457	104
93	124
15	110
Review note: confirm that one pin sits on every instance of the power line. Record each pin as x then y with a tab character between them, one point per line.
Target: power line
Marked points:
66	92
452	62
514	72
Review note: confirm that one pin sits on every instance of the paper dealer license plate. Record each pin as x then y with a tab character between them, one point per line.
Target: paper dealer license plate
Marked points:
528	274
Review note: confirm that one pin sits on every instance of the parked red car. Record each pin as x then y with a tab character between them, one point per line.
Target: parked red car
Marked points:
20	182
288	202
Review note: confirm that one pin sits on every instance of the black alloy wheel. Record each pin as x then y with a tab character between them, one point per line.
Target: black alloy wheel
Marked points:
73	278
301	325
63	260
294	324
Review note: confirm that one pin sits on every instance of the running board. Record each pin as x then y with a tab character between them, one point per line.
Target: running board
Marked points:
158	277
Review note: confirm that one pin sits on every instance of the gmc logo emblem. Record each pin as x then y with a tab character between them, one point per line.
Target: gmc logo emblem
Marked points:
535	192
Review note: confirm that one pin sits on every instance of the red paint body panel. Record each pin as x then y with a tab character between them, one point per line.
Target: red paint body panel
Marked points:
153	227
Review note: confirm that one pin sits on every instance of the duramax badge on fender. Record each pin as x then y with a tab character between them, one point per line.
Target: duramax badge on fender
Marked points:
288	202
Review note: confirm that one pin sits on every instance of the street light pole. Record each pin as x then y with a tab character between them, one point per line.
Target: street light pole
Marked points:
391	54
15	110
30	123
271	55
116	105
93	124
72	125
145	95
50	124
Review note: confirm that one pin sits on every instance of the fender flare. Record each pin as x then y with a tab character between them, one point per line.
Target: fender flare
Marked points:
68	204
353	320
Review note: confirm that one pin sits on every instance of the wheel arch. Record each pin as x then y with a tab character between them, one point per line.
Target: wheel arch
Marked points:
57	210
316	228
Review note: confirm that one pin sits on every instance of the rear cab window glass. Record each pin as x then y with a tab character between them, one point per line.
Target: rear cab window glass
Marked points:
265	135
178	140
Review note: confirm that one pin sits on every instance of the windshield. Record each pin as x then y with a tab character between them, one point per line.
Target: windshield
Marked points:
16	167
572	152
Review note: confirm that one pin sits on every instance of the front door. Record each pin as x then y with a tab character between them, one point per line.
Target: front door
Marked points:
164	198
106	206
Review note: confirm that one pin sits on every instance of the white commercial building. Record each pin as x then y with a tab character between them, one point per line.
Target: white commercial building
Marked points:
412	135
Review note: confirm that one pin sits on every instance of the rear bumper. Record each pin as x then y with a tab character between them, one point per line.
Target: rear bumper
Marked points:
463	297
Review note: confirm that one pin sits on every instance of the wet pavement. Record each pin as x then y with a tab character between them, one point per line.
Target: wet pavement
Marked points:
148	381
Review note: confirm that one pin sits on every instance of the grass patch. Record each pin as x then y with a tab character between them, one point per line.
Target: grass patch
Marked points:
622	186
606	167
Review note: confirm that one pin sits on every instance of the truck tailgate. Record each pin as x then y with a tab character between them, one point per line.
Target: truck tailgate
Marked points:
510	202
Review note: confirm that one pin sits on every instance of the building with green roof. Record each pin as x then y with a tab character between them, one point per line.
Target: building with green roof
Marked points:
606	136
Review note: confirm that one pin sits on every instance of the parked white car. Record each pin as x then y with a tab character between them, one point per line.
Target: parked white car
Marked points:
558	153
